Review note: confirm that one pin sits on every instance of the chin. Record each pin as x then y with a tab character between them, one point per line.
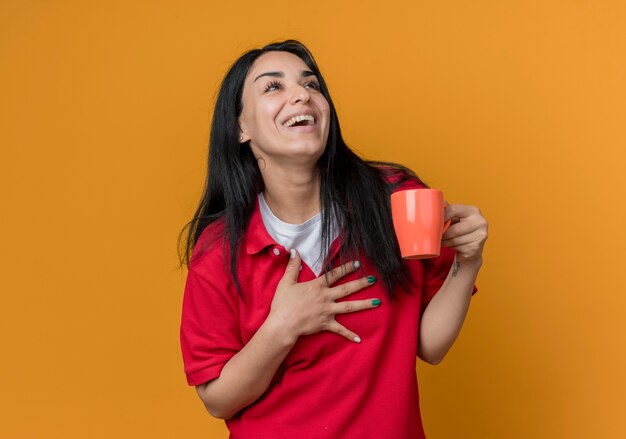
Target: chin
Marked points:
305	151
314	151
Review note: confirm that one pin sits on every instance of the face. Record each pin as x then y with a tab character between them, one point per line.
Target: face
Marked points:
279	87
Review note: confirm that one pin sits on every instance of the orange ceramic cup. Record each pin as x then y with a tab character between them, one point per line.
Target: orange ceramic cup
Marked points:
418	221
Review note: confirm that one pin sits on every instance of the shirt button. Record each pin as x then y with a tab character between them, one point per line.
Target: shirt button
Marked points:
276	251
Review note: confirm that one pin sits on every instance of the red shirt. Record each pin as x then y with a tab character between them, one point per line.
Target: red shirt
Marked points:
327	386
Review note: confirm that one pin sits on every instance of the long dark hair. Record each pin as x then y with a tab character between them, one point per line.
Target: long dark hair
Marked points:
353	189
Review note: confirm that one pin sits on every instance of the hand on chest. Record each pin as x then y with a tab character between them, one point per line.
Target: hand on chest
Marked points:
374	326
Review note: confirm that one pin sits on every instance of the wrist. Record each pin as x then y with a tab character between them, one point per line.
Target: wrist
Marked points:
279	331
474	263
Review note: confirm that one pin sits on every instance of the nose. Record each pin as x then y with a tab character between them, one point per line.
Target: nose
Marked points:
300	94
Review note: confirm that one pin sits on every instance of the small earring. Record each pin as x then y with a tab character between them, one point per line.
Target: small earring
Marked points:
240	137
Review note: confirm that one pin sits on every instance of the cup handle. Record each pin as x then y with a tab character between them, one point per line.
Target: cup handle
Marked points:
447	223
445	226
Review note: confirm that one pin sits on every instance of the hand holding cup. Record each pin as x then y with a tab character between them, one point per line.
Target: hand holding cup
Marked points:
467	233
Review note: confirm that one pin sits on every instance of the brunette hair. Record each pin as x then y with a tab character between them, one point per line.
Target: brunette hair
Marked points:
355	190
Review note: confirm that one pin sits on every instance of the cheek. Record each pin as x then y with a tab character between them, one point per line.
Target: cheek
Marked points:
269	109
326	110
322	104
260	115
265	116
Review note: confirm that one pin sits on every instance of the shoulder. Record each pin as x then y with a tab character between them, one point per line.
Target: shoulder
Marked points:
398	177
210	246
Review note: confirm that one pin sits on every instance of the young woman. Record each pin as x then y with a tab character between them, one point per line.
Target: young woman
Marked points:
300	318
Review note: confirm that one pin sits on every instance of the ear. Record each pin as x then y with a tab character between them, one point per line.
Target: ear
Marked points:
243	136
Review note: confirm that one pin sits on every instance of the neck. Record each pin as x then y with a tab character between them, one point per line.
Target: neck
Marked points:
292	195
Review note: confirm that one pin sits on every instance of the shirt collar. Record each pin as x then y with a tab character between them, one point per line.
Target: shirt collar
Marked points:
257	237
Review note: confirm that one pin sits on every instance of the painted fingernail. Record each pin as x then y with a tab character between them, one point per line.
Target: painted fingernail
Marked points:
357	339
292	254
371	279
356	264
376	302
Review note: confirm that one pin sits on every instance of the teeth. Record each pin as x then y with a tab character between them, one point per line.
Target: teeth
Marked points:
300	118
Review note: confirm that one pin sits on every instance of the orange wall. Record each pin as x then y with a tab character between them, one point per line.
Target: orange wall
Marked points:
517	107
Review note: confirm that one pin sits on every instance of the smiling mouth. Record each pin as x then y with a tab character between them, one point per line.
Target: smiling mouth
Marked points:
298	121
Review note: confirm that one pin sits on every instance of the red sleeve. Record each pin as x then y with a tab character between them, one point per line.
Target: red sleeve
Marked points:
209	330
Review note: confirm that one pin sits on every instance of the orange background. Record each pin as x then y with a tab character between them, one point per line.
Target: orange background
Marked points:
518	107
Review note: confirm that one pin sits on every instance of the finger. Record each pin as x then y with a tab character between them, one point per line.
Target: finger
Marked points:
456	211
459	229
448	212
329	278
461	240
351	287
293	267
337	328
354	306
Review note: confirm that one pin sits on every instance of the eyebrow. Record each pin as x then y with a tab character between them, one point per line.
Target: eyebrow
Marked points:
304	74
